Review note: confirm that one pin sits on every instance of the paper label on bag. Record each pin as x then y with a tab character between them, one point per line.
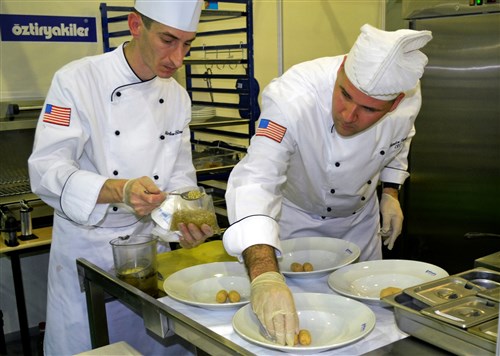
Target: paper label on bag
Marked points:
163	214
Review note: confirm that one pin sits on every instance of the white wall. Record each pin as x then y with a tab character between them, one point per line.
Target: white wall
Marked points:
312	28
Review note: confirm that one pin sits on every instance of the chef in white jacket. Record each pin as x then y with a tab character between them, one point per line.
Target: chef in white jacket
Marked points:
112	137
330	130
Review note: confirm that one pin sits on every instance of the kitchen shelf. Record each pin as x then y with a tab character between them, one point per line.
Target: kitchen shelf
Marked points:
219	73
218	121
214	61
218	15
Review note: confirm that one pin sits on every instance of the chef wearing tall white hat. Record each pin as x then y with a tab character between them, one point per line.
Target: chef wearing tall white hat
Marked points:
330	131
112	137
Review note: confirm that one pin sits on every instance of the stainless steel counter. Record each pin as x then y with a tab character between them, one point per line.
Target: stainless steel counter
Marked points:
207	330
160	319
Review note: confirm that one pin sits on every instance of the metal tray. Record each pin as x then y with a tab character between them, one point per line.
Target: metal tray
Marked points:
482	277
488	330
214	157
442	290
434	331
464	312
491	294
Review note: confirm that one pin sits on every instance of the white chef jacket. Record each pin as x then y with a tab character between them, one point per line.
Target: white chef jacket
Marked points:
118	127
315	182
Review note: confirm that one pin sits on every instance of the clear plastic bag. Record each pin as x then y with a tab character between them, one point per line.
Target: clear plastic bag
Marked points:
198	211
175	210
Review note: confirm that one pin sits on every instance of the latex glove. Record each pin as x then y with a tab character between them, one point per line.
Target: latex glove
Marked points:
142	195
392	219
193	235
272	302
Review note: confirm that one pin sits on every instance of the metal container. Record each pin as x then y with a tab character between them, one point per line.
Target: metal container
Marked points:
442	291
488	330
8	225
464	312
475	334
436	332
25	217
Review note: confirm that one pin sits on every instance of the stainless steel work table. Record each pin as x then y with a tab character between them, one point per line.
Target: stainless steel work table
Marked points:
210	331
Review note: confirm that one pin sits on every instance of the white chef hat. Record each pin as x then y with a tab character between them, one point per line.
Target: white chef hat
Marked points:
183	15
383	64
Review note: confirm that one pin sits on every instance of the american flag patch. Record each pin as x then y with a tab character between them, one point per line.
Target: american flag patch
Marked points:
270	129
56	115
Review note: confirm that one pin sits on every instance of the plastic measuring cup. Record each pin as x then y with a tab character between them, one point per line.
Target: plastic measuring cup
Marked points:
135	261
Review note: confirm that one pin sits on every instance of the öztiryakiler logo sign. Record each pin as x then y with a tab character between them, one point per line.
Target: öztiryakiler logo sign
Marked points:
38	28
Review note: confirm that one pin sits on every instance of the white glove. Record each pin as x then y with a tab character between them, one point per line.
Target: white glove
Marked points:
142	195
392	219
272	302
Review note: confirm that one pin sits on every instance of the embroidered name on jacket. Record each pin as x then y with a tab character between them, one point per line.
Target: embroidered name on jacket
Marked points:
176	132
271	130
397	144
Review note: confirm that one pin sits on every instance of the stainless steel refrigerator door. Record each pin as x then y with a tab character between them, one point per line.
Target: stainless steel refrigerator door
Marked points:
454	186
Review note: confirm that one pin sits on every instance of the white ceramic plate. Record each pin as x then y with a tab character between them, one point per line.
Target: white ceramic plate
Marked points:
365	280
333	321
198	285
326	254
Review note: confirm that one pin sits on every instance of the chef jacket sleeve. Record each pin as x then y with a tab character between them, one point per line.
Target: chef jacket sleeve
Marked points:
396	171
55	175
253	194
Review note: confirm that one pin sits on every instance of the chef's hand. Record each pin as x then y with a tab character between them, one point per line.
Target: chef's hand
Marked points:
142	195
392	219
272	302
192	235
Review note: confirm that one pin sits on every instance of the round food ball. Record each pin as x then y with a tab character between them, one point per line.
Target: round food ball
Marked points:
389	291
234	296
304	337
308	267
221	296
296	267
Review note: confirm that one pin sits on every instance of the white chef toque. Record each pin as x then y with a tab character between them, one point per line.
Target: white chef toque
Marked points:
383	64
183	15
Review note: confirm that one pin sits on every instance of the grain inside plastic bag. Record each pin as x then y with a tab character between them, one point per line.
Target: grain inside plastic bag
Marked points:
195	216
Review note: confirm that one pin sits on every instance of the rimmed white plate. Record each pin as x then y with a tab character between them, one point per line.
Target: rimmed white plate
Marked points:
198	285
333	321
326	254
365	280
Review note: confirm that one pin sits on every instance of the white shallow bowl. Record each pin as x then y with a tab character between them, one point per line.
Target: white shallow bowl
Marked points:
198	285
333	321
326	254
365	280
